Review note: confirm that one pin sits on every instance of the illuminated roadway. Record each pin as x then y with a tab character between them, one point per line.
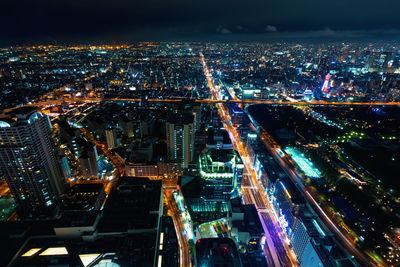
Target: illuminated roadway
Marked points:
209	101
277	249
173	211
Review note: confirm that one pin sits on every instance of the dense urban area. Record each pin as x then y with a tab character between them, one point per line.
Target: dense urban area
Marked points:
200	154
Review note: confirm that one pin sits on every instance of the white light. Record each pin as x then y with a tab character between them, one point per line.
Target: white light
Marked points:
54	251
159	260
88	258
31	252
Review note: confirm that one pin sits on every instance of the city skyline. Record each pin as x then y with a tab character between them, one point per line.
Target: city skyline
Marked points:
203	153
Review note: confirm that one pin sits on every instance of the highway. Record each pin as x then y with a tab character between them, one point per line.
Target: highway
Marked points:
278	250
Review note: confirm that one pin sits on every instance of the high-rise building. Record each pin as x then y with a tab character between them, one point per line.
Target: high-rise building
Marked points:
180	138
111	138
29	161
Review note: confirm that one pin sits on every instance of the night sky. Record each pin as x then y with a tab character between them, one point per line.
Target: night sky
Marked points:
45	21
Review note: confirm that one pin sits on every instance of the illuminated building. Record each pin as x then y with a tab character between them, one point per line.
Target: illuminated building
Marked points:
205	210
314	245
180	139
29	161
325	86
197	116
308	95
218	139
300	239
248	93
238	116
141	170
213	229
65	167
305	165
221	173
111	138
287	204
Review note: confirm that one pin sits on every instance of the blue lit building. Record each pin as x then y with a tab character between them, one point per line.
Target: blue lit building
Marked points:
238	116
287	203
65	167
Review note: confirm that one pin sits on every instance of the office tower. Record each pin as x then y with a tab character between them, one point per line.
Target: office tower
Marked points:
180	138
29	161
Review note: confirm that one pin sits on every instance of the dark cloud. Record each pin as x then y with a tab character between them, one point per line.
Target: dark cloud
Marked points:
123	20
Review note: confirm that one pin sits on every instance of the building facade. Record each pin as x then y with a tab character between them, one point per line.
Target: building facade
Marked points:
180	139
29	161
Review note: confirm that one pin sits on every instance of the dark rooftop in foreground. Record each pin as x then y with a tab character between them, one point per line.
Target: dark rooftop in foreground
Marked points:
217	252
133	204
127	250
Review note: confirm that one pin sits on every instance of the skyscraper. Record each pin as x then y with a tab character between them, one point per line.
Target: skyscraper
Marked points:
180	138
29	161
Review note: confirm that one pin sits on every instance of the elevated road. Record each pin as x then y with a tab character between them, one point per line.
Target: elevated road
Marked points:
208	101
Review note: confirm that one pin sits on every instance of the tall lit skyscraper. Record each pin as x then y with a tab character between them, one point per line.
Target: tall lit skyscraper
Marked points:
180	139
29	161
